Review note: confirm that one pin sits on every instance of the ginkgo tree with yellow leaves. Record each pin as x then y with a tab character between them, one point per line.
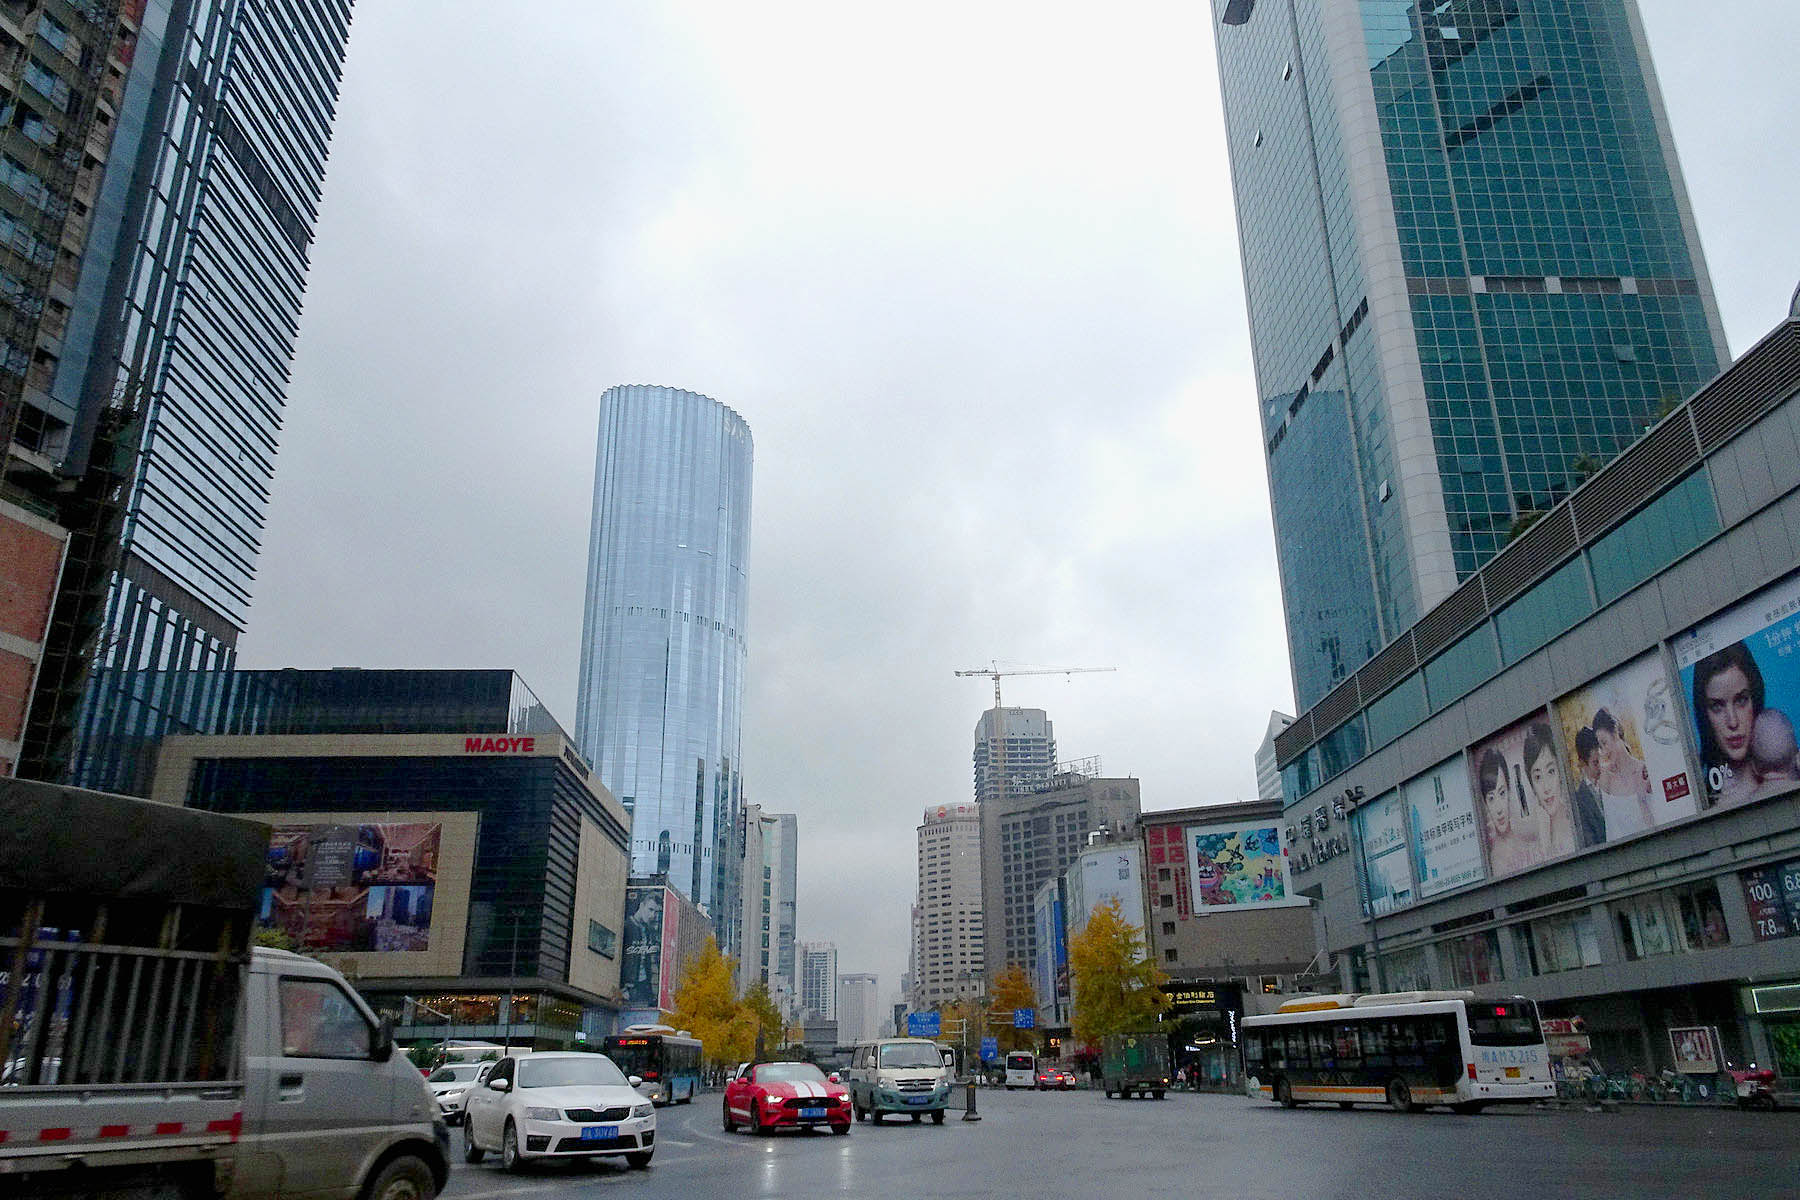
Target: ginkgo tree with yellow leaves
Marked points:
1117	989
1011	991
707	1006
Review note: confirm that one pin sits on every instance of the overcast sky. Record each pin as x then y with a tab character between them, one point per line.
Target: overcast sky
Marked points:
968	270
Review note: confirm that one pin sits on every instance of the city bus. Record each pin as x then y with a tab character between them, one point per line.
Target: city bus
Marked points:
1405	1049
666	1060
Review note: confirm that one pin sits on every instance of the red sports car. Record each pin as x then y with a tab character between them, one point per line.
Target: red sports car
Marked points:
785	1095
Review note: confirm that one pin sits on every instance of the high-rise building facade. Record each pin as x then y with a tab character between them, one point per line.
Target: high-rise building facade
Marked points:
755	933
858	1008
1472	276
1268	776
1017	743
157	402
781	842
661	692
1027	840
818	981
946	958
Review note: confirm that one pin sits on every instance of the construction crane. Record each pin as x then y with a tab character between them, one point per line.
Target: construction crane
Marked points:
994	672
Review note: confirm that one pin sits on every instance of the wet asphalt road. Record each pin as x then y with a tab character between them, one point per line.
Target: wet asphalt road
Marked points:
1081	1144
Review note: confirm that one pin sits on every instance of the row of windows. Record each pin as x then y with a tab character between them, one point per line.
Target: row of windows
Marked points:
1678	521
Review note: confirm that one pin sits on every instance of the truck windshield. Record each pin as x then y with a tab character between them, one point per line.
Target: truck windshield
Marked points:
589	1070
901	1056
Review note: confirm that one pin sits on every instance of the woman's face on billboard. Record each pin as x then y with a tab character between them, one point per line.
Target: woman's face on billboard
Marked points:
1498	803
1546	779
1731	712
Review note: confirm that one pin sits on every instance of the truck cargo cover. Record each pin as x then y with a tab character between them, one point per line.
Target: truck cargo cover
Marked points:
64	839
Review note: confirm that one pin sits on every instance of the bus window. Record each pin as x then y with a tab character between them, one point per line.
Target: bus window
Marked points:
1297	1057
1349	1052
1277	1048
1375	1045
1318	1037
1508	1024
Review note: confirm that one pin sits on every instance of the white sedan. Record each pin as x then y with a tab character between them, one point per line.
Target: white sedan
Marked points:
448	1083
543	1106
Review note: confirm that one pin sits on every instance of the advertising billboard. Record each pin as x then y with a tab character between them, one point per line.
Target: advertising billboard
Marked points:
1111	873
640	973
1625	768
1239	866
1740	683
1446	839
1387	873
363	887
1521	805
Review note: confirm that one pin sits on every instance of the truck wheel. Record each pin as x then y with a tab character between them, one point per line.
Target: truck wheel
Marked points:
856	1108
1156	1095
510	1158
471	1152
406	1178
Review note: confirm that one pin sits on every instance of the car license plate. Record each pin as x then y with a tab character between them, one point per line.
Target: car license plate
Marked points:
918	1099
599	1133
811	1114
1512	1072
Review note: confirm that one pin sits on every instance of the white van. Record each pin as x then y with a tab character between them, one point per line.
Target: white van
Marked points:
899	1075
1021	1070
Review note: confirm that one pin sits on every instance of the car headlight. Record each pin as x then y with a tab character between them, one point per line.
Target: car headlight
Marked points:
451	1095
643	1110
543	1114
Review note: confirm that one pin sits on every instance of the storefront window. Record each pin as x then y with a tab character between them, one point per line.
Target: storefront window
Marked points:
1676	920
1473	959
1564	943
1645	929
1406	971
1702	917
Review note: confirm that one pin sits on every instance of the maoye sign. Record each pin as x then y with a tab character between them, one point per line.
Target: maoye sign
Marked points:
500	745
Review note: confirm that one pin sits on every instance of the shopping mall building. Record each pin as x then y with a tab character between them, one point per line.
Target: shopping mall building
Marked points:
1576	778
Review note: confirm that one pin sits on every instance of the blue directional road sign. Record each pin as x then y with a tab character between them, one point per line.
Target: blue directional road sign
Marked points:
1024	1018
990	1049
925	1024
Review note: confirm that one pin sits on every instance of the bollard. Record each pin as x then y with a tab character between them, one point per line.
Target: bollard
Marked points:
969	1113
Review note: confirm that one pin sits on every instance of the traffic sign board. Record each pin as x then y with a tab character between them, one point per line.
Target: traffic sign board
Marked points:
922	1024
990	1049
1024	1018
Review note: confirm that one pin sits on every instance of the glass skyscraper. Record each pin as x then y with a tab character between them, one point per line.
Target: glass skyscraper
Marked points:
661	693
180	334
1472	276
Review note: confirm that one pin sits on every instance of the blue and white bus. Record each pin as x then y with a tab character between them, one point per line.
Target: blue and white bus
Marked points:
1404	1049
666	1060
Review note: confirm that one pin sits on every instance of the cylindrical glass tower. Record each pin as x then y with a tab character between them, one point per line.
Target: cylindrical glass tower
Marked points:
663	642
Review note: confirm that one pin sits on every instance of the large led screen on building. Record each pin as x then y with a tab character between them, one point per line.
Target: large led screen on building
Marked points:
1112	873
1387	875
362	887
1446	839
1625	769
1239	866
1740	679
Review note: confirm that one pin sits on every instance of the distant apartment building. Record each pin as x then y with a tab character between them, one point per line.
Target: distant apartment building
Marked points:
1268	775
1029	839
858	1008
818	981
947	955
1018	744
781	855
755	909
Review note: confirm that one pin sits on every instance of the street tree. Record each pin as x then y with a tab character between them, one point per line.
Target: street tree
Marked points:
770	1027
1012	990
1117	988
706	1005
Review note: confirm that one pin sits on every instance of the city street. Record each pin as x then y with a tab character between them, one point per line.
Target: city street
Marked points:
1081	1144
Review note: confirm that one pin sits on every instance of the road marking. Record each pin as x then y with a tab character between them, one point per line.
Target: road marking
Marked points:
673	1142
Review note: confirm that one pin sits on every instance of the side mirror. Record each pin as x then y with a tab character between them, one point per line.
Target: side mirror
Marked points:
834	1078
636	1080
383	1049
500	1085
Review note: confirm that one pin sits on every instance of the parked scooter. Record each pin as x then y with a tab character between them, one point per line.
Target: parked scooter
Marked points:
1755	1086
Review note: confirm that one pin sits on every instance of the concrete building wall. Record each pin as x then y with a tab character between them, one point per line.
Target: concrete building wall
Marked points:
948	917
1027	840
